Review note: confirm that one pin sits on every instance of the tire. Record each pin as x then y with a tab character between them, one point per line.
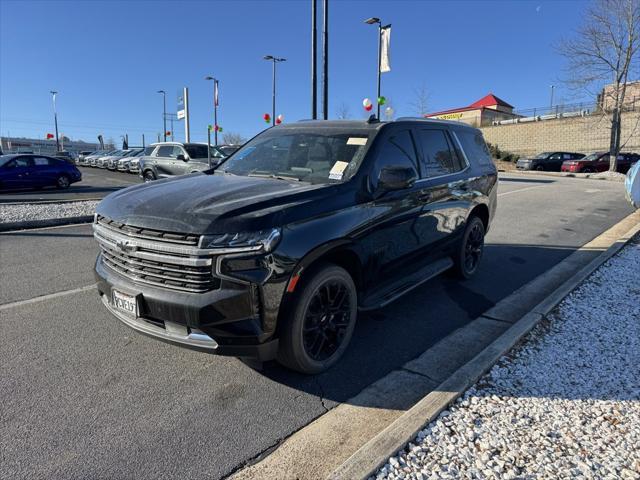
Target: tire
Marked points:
540	168
312	338
467	259
63	182
148	176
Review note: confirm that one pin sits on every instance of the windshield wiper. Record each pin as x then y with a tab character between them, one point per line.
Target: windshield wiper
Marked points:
271	175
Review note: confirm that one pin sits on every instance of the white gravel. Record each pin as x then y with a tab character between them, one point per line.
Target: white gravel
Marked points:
564	404
45	211
617	176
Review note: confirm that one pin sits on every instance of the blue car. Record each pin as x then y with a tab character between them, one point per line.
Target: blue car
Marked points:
21	171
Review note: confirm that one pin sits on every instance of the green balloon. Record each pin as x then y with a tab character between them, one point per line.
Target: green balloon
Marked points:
219	129
382	100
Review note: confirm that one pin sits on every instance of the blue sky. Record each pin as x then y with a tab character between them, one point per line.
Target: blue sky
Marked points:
108	59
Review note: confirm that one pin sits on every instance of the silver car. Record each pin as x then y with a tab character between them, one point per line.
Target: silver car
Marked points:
124	162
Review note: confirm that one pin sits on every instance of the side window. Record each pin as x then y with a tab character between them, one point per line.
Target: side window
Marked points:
165	151
41	161
23	162
178	151
397	150
474	146
556	156
567	156
438	158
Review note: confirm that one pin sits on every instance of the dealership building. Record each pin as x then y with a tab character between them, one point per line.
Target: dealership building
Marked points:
45	147
480	113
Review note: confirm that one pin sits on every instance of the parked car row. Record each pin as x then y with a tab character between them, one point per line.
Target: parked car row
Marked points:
576	162
20	171
162	159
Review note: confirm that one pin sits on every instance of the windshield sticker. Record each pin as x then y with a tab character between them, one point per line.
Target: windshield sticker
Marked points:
357	141
337	170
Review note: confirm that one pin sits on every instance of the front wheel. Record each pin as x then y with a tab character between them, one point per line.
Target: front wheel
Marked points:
319	324
148	176
467	259
63	182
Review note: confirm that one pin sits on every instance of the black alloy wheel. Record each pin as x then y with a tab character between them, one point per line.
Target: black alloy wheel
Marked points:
149	176
62	182
471	249
319	320
540	168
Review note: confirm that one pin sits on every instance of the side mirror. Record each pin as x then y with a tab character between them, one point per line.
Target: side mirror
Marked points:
394	177
181	157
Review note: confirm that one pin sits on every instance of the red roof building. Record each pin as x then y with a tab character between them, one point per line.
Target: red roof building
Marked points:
481	112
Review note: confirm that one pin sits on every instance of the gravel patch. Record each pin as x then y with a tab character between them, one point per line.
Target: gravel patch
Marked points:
565	403
617	176
45	211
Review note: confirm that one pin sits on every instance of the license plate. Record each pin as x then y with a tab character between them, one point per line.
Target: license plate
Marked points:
125	303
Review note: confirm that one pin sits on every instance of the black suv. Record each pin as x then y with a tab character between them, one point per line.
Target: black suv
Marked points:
272	254
169	159
548	161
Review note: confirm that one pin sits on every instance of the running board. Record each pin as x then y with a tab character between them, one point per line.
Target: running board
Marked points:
394	291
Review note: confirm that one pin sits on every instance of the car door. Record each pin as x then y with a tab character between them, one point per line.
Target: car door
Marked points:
392	239
17	173
553	162
179	166
163	161
444	190
44	171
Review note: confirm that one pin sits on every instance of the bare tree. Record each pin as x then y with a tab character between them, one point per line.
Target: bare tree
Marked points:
605	51
343	111
420	101
233	138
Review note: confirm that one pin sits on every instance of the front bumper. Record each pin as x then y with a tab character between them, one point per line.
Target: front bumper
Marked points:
224	321
524	166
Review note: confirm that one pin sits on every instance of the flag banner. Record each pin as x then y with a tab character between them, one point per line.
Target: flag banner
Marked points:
215	94
385	46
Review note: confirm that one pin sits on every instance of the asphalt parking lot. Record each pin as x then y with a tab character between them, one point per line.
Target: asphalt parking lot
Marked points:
96	183
84	396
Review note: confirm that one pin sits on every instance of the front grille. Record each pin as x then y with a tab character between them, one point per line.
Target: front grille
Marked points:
156	258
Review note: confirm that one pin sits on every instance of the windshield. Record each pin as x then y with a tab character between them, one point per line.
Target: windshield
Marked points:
543	155
198	151
591	157
318	155
5	158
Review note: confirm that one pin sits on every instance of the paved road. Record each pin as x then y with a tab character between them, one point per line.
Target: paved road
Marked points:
95	183
84	396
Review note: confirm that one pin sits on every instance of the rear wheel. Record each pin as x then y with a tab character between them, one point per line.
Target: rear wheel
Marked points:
540	168
149	176
319	324
468	257
63	182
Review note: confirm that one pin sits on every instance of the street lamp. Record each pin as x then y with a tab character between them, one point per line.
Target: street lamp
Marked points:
373	21
164	113
55	117
215	107
273	101
551	103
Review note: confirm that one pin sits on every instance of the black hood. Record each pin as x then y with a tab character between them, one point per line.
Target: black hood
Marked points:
207	203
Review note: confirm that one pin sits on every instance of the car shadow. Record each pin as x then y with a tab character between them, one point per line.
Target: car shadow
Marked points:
384	340
526	180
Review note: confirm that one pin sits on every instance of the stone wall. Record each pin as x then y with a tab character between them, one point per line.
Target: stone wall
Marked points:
579	134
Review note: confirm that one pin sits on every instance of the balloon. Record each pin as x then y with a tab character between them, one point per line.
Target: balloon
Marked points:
368	107
217	128
388	112
210	127
220	129
382	100
280	117
267	117
278	121
366	102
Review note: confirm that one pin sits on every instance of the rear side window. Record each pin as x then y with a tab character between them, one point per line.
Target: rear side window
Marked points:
165	151
474	146
438	158
397	150
41	161
148	150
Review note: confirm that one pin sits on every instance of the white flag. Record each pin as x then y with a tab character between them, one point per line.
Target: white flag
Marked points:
385	45
215	94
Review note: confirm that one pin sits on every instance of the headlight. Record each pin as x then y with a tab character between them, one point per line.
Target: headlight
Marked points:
252	241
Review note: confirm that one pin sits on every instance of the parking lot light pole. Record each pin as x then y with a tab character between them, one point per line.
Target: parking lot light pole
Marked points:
164	113
55	118
551	103
215	108
273	100
372	21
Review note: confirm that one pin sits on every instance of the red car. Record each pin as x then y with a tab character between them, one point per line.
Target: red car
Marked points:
599	162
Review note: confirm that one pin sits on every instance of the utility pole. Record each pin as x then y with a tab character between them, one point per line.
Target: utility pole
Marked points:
164	113
275	60
551	103
55	118
215	107
314	61
325	60
187	137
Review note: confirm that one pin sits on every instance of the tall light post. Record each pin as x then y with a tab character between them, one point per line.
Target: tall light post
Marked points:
164	113
551	103
55	117
215	108
273	100
373	21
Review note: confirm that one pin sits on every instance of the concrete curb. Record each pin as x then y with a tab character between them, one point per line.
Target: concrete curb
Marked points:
590	176
372	455
51	222
46	202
